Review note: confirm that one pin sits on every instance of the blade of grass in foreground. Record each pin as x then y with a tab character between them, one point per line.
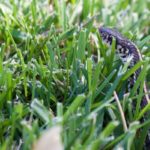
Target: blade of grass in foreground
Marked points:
127	141
106	81
81	45
73	107
41	111
139	79
100	142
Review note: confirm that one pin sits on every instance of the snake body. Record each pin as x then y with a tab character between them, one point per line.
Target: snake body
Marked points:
126	49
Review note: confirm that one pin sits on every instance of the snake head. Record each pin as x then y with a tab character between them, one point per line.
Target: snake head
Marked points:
108	34
105	35
124	47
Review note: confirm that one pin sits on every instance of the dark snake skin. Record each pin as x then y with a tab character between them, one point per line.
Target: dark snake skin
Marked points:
125	49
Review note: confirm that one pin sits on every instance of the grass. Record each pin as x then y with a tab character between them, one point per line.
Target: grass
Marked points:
55	70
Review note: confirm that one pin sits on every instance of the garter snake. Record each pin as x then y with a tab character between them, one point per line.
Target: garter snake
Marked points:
125	49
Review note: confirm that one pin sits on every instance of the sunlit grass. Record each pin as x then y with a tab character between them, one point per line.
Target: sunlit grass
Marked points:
55	70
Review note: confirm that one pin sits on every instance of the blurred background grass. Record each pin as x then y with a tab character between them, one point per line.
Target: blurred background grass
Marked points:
54	70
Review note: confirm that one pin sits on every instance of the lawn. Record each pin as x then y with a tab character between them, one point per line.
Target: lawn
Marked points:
56	72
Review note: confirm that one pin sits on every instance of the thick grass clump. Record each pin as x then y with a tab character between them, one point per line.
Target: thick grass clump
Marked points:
55	71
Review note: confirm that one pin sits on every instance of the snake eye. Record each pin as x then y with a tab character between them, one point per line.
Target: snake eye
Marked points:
119	47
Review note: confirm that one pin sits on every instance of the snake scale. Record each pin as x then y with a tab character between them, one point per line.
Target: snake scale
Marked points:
125	49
